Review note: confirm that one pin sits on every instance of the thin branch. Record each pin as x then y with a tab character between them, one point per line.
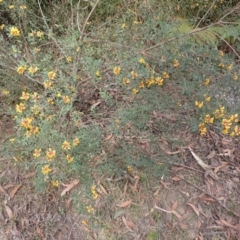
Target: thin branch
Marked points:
86	21
206	14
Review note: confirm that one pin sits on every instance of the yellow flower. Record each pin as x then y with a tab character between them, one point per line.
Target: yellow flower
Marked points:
66	145
69	158
14	31
125	81
208	119
78	49
141	60
36	50
12	140
66	99
34	130
5	92
55	183
135	91
90	209
134	74
235	77
23	7
39	34
35	109
46	169
75	141
25	96
199	104
202	128
94	192
207	81
84	222
21	69
11	6
124	25
51	75
2	26
50	101
26	123
32	33
207	99
51	154
141	84
116	70
175	63
69	59
221	65
159	81
234	118
229	68
32	70
35	96
20	107
221	53
165	75
37	152
47	84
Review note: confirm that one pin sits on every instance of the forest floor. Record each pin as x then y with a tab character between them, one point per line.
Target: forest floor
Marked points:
194	201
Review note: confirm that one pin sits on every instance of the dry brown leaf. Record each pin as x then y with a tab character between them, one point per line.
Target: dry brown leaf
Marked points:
176	178
176	214
69	187
103	189
125	188
126	223
31	174
125	204
157	192
225	223
223	164
9	211
174	206
3	190
134	187
211	155
194	208
14	191
40	234
108	137
8	186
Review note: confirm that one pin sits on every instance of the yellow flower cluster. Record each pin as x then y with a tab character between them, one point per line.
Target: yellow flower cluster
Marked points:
90	209
37	152
50	154
14	31
55	183
69	158
116	70
227	125
51	75
46	169
66	145
94	192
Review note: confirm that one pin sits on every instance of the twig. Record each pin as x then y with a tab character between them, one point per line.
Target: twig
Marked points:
226	208
86	21
206	14
70	232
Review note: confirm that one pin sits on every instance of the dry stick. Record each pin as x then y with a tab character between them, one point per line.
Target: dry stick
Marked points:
70	232
229	45
50	35
206	14
85	23
226	208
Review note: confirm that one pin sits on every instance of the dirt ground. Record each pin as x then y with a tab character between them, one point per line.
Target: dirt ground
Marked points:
199	199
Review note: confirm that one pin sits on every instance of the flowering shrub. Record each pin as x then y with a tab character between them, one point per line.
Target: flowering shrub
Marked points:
75	83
